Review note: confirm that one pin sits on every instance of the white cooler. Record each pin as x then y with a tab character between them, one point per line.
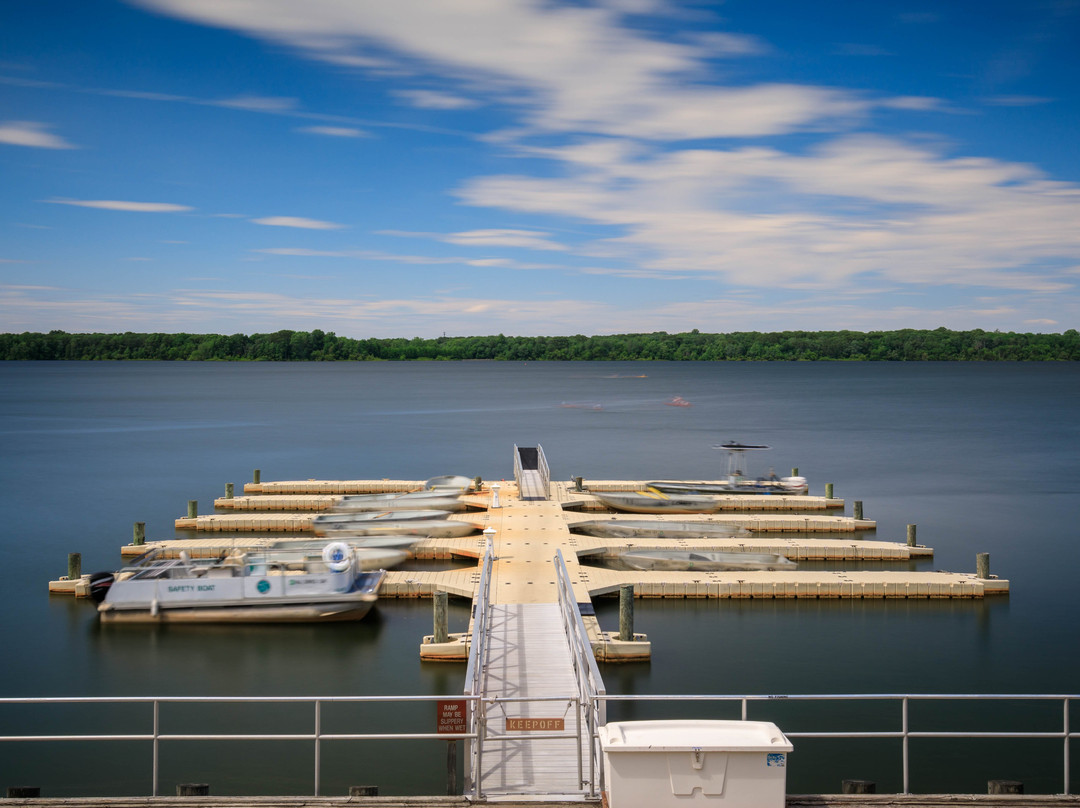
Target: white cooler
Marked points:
728	764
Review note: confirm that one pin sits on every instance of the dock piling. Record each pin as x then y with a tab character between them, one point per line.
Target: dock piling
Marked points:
192	508
911	536
228	490
74	566
794	471
828	490
139	533
363	791
478	483
626	612
22	792
856	509
494	495
192	789
1004	787
982	565
442	631
577	484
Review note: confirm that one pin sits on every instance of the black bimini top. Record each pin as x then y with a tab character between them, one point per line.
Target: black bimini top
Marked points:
732	446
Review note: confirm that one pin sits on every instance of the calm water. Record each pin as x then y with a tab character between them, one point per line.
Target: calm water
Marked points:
980	457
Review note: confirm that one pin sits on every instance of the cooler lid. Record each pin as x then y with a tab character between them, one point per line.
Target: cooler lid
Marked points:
682	735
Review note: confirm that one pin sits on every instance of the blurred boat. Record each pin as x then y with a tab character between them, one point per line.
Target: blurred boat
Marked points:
449	482
631	529
356	542
737	482
344	521
654	501
678	560
421	528
442	500
678	401
264	587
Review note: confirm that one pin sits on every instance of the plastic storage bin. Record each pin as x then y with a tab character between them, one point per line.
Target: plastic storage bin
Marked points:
728	764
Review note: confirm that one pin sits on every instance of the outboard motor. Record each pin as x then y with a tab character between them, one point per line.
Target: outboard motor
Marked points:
100	583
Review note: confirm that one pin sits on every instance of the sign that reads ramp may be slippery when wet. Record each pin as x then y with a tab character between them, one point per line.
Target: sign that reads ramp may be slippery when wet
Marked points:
451	716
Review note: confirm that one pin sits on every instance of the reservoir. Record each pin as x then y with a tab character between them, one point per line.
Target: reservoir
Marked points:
982	457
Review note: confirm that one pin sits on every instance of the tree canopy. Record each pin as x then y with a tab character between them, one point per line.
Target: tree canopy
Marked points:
304	346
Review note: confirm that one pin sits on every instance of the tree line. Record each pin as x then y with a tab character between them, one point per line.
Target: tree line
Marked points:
305	346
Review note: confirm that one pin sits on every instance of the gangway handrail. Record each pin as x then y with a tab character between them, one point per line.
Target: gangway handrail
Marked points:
517	466
545	472
478	646
589	683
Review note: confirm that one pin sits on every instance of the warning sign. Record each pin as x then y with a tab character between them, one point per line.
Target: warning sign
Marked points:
535	725
451	716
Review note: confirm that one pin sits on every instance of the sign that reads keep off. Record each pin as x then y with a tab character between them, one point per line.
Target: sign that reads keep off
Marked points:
451	716
535	724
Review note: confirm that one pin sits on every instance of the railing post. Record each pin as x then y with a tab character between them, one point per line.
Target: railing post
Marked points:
904	727
318	745
745	705
157	731
1066	725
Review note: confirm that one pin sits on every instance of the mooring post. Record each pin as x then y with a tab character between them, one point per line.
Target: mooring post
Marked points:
856	509
74	566
494	495
192	789
828	491
192	508
795	471
982	565
478	483
228	490
442	632
139	533
1004	787
255	478
911	536
577	484
363	791
626	612
451	768
489	540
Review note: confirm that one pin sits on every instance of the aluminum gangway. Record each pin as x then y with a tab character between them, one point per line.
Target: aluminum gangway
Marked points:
531	472
535	682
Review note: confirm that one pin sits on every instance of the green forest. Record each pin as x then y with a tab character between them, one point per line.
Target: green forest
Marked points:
906	345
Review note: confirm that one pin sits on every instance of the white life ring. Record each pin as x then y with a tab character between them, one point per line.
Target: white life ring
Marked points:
337	555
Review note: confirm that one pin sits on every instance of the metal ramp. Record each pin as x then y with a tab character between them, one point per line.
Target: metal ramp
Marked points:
531	472
532	667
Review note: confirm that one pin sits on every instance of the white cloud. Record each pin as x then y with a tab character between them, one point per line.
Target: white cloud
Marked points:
569	67
527	239
112	204
333	131
298	221
430	99
33	134
258	103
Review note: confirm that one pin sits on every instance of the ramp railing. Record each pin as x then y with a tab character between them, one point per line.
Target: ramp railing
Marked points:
481	612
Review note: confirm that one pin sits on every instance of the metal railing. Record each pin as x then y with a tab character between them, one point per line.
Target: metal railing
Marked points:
477	721
905	733
156	734
592	710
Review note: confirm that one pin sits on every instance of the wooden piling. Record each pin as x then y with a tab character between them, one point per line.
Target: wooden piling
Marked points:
577	484
982	565
256	477
192	508
192	789
1004	787
363	791
74	566
451	769
795	471
139	533
228	490
911	536
828	490
626	612
856	509
442	631
478	483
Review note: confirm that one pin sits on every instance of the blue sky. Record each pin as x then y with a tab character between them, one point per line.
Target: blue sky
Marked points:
416	167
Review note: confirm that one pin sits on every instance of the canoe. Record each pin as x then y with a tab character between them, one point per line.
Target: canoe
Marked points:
652	501
421	528
420	500
338	521
661	529
680	560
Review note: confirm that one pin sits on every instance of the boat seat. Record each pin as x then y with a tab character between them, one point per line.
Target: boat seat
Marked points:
221	572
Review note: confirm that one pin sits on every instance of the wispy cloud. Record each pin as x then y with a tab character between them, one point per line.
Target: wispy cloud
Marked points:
259	103
333	131
298	221
430	99
113	204
32	134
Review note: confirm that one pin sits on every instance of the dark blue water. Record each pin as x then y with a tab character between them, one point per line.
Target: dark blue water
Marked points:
982	457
